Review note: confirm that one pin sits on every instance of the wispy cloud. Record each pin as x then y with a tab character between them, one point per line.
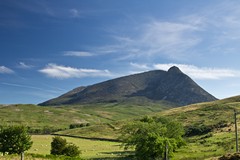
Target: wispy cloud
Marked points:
63	72
201	73
39	7
77	53
5	70
28	87
74	12
157	39
140	66
220	25
23	65
211	30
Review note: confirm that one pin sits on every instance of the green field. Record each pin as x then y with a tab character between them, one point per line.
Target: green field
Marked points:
89	148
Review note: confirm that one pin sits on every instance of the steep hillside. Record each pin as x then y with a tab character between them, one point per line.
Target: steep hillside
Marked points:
171	86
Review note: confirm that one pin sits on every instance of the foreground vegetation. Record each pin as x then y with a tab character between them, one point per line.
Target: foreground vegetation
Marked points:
153	138
209	127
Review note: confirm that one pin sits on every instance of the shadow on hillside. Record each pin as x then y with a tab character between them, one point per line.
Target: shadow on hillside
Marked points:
125	155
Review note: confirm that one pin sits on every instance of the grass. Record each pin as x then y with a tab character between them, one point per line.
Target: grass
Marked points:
199	147
62	116
90	148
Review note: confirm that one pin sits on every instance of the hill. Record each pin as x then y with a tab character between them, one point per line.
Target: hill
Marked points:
199	114
171	86
54	118
209	128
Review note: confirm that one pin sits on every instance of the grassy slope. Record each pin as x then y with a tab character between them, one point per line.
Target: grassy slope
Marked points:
61	117
216	143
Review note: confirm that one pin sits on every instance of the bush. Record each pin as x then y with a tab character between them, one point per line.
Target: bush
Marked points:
78	125
197	130
201	129
71	150
59	146
44	130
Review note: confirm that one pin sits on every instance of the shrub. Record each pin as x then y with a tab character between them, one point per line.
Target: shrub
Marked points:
59	146
78	125
197	130
71	150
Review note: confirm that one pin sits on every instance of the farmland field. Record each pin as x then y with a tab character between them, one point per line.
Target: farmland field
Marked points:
90	148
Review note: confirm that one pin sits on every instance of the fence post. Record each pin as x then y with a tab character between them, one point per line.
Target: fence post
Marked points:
236	129
166	152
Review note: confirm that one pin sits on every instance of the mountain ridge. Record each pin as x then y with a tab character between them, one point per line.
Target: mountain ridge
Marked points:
173	86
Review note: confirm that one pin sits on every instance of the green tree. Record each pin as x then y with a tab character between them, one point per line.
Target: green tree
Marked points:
149	137
15	140
59	146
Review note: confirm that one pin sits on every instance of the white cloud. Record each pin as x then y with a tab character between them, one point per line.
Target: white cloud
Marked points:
140	66
24	65
212	30
28	87
63	72
74	12
220	25
169	38
77	53
201	73
157	39
5	70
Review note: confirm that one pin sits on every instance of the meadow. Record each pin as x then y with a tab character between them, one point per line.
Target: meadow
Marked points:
90	148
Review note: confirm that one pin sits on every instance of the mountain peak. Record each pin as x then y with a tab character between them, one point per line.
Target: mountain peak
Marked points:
172	86
174	69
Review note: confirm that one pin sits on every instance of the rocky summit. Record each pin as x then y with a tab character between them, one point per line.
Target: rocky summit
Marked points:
171	86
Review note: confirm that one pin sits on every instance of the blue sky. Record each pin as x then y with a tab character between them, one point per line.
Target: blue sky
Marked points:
50	47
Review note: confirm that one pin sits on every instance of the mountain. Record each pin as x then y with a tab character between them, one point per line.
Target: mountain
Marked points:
171	86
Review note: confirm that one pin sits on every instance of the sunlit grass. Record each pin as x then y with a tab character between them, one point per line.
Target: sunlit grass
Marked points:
89	148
